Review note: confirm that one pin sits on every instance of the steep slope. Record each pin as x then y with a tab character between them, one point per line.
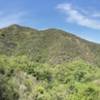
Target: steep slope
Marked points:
51	46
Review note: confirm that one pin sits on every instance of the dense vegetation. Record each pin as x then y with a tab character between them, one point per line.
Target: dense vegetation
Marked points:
21	79
47	65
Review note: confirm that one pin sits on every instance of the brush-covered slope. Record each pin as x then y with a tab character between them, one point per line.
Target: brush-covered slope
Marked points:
50	46
47	65
21	79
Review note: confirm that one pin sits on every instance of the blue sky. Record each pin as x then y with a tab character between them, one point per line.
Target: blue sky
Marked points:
81	17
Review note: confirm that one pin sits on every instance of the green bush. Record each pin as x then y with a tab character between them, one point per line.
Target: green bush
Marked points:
22	79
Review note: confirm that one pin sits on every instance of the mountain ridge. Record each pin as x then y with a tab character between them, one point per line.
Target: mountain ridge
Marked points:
51	29
50	45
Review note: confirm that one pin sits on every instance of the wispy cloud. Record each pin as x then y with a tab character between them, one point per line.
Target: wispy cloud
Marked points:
96	15
11	18
74	15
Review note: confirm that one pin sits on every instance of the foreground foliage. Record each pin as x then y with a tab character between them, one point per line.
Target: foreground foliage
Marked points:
22	79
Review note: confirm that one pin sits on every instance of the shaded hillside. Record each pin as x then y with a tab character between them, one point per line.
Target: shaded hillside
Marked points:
50	46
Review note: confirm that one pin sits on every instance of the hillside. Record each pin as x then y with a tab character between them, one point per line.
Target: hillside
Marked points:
47	65
52	46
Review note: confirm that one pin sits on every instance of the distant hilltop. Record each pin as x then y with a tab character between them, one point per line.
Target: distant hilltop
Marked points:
48	46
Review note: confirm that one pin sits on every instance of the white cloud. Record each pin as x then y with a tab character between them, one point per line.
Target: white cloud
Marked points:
8	19
96	15
75	16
